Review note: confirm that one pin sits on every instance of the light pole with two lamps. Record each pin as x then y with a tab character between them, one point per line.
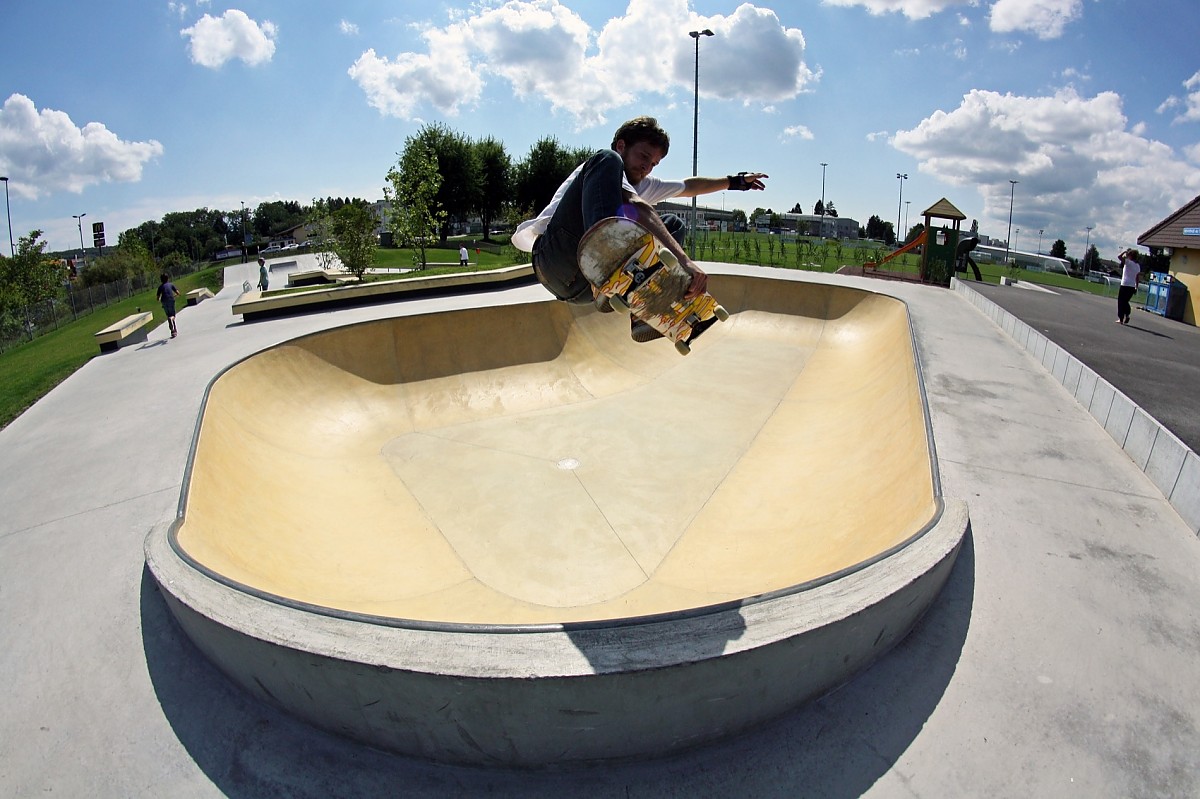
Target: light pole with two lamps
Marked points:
696	130
12	251
1012	193
901	177
823	165
79	218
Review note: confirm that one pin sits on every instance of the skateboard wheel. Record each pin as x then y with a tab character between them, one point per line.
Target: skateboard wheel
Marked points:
618	302
721	313
667	257
682	347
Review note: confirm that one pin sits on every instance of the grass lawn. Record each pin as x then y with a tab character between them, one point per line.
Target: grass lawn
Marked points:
33	369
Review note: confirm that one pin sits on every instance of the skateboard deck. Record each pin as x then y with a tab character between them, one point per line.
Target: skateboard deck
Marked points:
627	264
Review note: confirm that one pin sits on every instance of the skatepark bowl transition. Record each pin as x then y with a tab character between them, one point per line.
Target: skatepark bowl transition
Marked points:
511	536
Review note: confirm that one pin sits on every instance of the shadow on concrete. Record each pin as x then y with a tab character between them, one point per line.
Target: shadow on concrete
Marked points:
837	746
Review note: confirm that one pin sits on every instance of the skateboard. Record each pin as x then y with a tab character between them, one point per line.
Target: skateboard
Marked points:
628	265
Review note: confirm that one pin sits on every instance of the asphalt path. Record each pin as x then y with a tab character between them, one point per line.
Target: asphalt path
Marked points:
1153	360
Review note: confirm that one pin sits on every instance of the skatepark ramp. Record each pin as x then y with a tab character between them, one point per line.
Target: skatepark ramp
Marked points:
509	535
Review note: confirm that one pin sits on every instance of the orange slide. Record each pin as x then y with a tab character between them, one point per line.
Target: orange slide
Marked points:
917	242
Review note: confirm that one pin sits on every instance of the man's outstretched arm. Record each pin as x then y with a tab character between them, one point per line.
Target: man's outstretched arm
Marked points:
742	181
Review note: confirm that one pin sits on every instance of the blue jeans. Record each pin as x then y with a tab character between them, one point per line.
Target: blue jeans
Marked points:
595	194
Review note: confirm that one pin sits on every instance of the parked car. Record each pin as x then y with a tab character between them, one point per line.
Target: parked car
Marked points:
271	248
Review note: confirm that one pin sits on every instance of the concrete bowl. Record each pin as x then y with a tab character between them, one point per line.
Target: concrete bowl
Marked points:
511	536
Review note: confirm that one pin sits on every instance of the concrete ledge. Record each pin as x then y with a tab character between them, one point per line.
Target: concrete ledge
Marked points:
556	694
1168	462
130	330
197	296
283	266
253	305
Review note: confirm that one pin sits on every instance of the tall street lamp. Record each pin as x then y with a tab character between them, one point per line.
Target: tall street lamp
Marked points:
1040	232
1086	250
12	251
79	218
823	165
906	204
696	129
1012	192
901	177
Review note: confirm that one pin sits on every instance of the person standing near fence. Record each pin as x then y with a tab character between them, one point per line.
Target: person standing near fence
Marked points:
1131	273
263	277
166	295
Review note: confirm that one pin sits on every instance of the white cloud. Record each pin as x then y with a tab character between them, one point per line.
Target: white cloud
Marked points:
913	9
796	132
217	40
1042	18
43	151
348	28
548	53
1077	162
1190	103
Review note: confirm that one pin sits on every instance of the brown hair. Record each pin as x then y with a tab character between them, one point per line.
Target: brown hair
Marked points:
642	129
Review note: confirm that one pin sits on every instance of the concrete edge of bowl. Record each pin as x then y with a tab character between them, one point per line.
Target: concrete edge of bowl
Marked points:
554	696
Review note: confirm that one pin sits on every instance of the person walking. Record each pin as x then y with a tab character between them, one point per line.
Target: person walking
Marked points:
166	295
463	257
1131	275
263	276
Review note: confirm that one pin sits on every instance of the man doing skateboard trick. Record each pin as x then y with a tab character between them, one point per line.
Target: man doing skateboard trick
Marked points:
617	182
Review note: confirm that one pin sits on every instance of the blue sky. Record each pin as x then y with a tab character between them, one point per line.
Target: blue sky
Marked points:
131	110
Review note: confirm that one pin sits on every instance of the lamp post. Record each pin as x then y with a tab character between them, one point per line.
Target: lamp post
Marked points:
1012	192
1086	250
696	130
901	177
245	236
823	165
12	251
906	204
1040	232
79	218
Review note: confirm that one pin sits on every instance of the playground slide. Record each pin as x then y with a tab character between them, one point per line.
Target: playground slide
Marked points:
917	242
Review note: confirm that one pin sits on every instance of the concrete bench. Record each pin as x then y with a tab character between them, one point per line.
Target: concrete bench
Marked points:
196	296
130	330
283	266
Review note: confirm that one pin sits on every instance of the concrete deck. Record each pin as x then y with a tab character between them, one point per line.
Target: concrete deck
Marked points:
1059	660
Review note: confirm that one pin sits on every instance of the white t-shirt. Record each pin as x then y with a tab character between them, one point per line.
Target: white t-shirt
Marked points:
652	190
1130	272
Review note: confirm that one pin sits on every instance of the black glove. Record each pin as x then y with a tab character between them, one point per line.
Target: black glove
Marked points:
738	182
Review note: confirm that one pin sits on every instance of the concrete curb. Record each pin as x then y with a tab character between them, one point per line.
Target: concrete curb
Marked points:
556	696
1169	463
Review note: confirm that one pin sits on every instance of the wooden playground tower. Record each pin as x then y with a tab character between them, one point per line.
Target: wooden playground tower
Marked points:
938	246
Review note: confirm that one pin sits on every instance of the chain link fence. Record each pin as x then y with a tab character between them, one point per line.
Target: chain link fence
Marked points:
25	323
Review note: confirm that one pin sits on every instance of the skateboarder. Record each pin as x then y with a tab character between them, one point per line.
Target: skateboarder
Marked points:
616	182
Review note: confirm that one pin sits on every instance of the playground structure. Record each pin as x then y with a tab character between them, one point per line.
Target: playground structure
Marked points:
938	246
515	558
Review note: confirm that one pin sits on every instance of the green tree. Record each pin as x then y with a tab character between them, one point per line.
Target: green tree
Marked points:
495	181
458	164
413	196
542	171
128	259
353	239
320	232
30	276
1059	249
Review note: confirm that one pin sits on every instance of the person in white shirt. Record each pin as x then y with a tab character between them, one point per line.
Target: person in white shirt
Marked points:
462	255
616	182
1131	273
